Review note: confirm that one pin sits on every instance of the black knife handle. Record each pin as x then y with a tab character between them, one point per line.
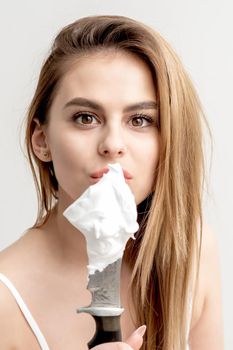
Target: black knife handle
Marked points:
107	330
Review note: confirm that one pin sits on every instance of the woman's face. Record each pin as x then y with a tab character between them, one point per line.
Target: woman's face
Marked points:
104	111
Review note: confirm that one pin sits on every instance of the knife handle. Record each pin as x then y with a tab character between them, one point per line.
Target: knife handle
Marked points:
107	330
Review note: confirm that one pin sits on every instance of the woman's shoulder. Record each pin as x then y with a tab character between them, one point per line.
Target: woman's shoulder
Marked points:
13	254
20	258
12	261
16	262
7	319
20	248
207	301
14	330
209	268
209	245
203	269
8	307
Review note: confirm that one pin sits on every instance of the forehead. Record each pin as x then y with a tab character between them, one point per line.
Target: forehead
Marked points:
107	76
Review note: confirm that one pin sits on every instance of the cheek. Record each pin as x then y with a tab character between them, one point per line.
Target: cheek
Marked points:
148	157
67	148
63	155
67	154
148	152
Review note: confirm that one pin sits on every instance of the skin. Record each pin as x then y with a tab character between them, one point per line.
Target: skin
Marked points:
81	140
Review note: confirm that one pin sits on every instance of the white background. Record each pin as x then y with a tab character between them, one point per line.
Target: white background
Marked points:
201	31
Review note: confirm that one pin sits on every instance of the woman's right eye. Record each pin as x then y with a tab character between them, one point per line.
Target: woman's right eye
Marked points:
85	119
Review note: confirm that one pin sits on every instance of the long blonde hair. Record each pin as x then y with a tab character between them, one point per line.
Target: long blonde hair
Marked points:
166	244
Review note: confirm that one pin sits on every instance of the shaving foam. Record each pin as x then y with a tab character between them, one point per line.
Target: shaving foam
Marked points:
106	215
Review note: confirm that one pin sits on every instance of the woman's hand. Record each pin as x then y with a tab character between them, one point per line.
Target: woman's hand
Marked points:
134	342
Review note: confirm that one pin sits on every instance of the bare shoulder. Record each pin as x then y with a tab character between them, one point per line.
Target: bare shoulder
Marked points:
14	329
209	270
8	307
19	251
8	318
210	247
207	324
13	261
10	256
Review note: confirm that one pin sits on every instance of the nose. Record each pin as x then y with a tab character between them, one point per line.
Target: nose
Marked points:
112	144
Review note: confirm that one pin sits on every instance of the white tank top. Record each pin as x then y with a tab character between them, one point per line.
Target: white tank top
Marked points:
25	311
27	314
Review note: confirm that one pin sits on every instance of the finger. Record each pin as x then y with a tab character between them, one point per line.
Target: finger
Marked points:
113	346
135	340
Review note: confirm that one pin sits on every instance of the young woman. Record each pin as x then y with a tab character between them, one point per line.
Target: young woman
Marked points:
113	91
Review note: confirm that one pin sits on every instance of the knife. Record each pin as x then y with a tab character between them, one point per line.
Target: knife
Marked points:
105	306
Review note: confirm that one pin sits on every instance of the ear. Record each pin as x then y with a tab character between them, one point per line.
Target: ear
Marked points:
39	143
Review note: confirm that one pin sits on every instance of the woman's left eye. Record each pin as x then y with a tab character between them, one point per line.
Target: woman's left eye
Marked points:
140	121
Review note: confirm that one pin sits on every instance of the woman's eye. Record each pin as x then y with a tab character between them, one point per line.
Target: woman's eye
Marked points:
141	121
85	119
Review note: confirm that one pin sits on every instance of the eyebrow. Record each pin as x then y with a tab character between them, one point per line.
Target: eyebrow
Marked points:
84	102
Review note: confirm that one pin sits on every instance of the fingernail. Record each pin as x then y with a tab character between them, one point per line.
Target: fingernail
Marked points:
141	331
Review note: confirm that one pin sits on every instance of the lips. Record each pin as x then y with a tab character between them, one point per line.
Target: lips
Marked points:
98	174
127	175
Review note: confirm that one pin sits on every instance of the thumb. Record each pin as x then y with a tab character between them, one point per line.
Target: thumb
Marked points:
135	340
